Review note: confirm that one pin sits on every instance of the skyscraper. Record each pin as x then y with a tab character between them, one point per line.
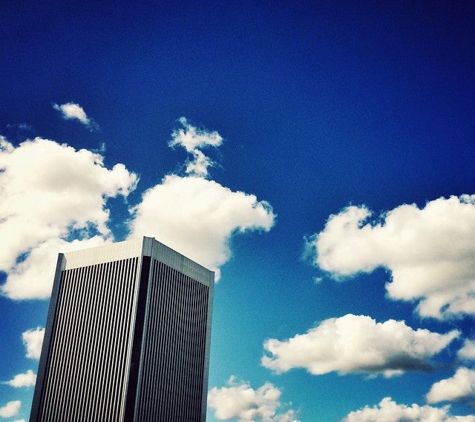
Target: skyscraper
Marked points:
127	337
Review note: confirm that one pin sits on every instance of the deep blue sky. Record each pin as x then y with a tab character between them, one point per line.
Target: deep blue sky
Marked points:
321	105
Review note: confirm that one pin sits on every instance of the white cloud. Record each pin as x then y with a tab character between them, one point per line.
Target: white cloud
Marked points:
27	379
33	340
390	411
198	217
192	139
33	278
10	409
467	352
240	401
429	251
74	111
194	215
50	192
459	388
357	344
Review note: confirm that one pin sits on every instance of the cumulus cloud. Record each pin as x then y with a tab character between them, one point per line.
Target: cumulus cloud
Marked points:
27	379
72	111
390	411
467	352
51	193
198	217
32	278
10	409
33	340
194	215
193	139
357	344
240	401
429	251
459	388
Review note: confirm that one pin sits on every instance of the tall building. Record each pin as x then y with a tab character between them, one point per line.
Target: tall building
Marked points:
127	337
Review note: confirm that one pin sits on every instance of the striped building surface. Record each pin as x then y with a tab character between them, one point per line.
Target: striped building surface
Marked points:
127	337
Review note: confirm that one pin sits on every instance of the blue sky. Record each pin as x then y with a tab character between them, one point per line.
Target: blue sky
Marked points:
317	155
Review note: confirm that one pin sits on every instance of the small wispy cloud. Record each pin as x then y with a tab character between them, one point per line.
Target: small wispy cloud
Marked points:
27	379
10	409
390	411
193	139
467	352
73	111
33	340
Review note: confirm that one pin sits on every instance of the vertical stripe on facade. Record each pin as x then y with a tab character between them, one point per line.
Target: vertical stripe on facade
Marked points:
137	341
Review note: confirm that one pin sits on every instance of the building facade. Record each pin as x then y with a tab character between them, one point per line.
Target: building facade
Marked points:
127	337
